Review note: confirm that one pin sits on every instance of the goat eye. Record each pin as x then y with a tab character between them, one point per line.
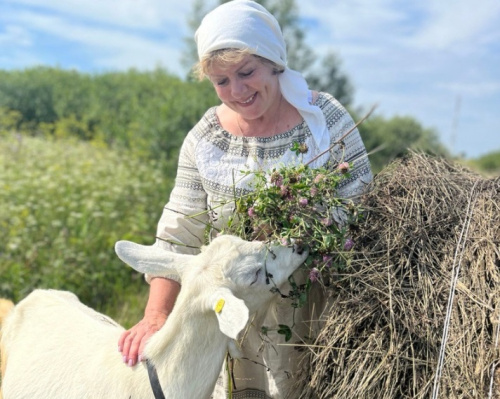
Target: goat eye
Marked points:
257	274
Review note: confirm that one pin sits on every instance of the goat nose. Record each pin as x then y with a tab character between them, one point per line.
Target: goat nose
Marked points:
299	248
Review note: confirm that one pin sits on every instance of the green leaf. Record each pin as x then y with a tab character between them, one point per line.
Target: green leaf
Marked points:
286	331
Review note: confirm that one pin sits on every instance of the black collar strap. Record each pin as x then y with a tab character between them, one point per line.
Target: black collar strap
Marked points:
154	381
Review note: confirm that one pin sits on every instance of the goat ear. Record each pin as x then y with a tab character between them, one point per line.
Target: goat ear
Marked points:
151	259
231	312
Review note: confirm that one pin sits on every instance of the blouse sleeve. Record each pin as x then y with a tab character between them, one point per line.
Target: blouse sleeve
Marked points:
184	219
350	149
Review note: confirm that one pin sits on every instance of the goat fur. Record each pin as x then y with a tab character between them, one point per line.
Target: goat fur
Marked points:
59	348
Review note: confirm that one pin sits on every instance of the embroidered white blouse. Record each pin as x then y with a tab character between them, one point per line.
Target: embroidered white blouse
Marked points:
211	162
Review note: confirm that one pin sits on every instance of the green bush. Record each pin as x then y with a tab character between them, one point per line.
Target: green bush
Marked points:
488	164
64	205
147	112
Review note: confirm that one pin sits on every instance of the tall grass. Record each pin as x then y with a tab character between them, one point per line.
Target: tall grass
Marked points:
63	205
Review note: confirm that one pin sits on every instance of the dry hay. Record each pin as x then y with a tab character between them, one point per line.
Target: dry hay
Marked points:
427	220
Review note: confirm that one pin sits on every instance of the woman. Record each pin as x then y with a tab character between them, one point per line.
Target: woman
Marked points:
265	107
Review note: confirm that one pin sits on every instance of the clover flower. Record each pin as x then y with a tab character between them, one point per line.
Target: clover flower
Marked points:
327	260
277	179
344	167
251	212
303	202
348	244
314	275
319	178
285	191
327	221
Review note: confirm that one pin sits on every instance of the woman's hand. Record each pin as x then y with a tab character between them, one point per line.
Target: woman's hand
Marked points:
162	296
131	343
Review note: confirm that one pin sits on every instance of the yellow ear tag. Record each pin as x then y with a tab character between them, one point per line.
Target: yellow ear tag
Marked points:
219	305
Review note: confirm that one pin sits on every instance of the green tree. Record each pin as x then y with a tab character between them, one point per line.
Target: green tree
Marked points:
488	163
31	92
9	120
390	139
190	54
328	77
149	112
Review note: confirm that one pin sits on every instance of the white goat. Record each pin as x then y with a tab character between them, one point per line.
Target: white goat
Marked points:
56	347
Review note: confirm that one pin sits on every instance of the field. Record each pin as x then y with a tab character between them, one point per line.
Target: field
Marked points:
64	205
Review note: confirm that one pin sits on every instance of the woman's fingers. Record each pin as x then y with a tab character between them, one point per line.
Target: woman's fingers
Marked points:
132	342
121	340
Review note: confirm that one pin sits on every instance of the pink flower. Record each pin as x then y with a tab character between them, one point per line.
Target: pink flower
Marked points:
327	259
277	179
348	244
344	167
284	241
314	275
284	191
251	212
303	201
326	222
319	178
314	191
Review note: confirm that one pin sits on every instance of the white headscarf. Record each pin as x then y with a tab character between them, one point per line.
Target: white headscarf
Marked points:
245	24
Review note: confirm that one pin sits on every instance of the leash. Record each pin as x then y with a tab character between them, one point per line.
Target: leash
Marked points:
154	381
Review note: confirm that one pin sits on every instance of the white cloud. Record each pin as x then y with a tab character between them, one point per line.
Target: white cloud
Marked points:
417	58
147	14
354	20
109	47
15	35
457	23
473	89
19	59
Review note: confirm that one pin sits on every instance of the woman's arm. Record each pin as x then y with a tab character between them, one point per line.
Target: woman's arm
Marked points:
352	149
187	198
162	295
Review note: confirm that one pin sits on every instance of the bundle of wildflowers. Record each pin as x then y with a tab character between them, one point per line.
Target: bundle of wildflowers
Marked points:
299	205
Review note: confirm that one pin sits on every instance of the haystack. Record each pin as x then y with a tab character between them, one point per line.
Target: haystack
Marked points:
416	314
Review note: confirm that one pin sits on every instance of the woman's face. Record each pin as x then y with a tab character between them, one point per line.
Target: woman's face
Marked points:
250	87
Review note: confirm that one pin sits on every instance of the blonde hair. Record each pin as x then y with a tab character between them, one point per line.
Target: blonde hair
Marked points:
228	57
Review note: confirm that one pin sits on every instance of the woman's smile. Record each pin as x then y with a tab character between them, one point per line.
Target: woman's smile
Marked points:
249	101
249	88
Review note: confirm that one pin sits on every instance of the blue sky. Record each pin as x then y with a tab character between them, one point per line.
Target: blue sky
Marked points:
435	60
